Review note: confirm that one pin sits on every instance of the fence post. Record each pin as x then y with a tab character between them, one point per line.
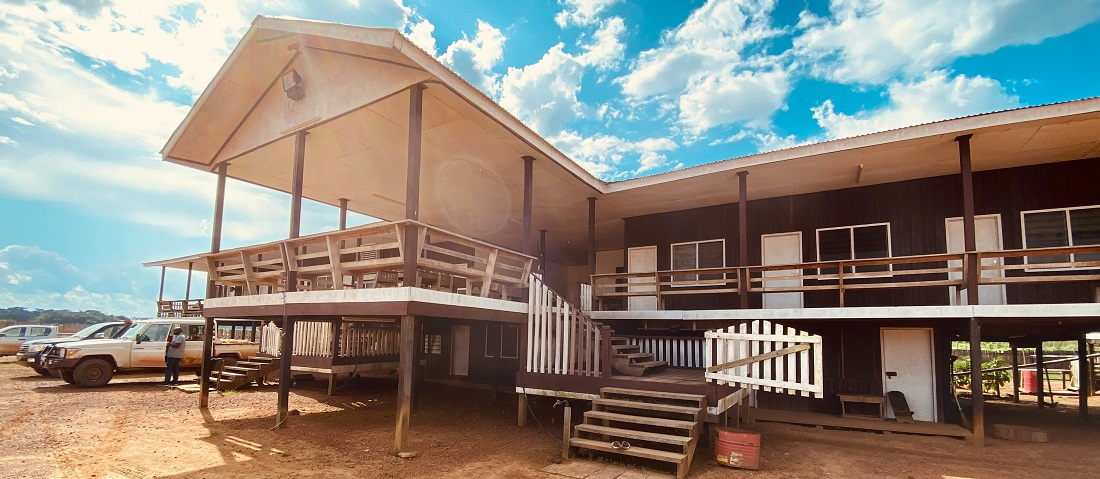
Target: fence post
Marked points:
605	351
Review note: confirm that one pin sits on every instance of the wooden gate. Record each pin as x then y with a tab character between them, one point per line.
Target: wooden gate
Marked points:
765	356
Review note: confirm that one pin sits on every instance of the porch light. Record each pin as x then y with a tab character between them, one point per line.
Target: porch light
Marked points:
292	85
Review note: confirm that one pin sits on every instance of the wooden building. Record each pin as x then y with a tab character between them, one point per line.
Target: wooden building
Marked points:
790	279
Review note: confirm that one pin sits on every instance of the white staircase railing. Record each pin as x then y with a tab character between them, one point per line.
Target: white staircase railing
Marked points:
765	356
271	340
586	297
560	340
677	352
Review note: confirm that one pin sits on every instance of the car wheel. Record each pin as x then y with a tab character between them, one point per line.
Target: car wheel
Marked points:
93	373
67	376
42	371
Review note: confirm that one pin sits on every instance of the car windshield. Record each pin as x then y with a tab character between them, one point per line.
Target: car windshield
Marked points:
132	333
86	332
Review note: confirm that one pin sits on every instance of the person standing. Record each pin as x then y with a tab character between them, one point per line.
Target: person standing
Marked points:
173	353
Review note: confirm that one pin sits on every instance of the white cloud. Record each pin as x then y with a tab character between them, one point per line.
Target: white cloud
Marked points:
606	49
20	120
871	41
475	58
933	98
581	12
421	35
712	70
38	279
603	155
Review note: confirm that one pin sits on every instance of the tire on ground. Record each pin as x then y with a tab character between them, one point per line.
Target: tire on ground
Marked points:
93	373
67	376
42	371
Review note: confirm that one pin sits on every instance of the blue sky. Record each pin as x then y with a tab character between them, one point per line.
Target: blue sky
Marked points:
90	91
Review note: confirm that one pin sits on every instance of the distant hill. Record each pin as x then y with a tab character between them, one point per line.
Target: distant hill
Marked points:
56	316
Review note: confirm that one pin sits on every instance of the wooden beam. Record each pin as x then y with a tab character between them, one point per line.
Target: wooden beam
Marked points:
743	236
187	292
528	201
1015	373
1039	376
591	237
521	410
205	370
412	177
160	297
296	183
249	280
542	254
343	214
285	373
488	281
969	235
977	398
1084	378
334	262
758	358
219	210
405	379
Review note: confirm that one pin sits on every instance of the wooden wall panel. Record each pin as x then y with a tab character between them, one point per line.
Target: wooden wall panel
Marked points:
916	211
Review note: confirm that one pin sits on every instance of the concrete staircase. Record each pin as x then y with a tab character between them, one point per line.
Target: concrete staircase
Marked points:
652	425
629	360
253	370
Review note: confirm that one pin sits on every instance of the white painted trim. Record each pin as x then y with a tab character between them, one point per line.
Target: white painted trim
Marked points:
1064	310
764	254
1069	235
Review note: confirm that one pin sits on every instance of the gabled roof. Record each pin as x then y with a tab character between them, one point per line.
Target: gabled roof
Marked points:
357	83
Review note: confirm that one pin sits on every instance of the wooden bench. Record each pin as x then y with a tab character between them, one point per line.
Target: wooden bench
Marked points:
845	399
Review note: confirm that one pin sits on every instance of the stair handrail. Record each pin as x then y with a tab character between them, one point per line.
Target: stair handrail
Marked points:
561	339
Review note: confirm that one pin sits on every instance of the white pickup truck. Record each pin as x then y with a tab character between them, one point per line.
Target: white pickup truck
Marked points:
12	337
93	362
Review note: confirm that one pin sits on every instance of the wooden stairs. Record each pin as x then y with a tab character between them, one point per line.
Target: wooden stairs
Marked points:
651	425
253	370
629	359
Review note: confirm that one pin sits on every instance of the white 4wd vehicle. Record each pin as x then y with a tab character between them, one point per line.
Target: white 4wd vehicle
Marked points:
93	362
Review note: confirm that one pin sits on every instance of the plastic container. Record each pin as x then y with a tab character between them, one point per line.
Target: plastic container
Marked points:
1028	382
737	448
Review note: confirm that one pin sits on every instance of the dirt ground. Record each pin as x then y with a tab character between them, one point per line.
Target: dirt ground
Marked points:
135	429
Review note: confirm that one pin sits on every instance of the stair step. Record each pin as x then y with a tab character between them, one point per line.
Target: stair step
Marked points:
242	369
634	435
633	355
615	341
646	420
220	380
232	374
653	394
623	347
693	411
252	363
262	358
647	453
650	364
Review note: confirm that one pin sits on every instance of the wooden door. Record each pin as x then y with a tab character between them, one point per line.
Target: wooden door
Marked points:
641	260
782	248
987	235
460	350
908	366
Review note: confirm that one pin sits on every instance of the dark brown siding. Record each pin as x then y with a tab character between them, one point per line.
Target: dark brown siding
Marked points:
916	211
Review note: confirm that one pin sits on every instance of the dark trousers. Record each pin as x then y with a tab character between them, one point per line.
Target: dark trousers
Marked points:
172	373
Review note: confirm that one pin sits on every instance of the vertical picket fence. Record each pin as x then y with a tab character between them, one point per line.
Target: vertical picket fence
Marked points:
560	340
271	340
359	341
758	345
677	352
313	338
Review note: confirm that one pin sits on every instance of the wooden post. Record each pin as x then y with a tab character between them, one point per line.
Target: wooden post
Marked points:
296	183
160	297
412	184
521	410
219	210
187	292
211	288
286	355
1084	378
969	238
528	199
542	253
591	237
407	366
1015	374
605	351
566	424
1039	376
343	214
977	397
743	236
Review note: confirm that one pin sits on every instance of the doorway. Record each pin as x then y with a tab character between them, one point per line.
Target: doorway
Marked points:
987	235
460	350
908	366
641	260
782	248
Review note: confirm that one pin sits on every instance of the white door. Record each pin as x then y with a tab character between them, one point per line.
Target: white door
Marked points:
460	350
987	235
782	248
908	366
641	260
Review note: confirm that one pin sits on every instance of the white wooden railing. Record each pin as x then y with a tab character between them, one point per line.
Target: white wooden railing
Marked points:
271	340
560	340
677	352
766	356
358	341
586	297
313	338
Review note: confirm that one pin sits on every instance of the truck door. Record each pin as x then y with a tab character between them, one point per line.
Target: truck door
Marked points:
192	347
148	347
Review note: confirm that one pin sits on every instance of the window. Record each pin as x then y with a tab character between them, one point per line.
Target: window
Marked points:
698	255
502	340
1061	227
433	344
156	332
38	331
854	242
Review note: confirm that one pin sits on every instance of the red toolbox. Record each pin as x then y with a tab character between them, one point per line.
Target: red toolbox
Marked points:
737	448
